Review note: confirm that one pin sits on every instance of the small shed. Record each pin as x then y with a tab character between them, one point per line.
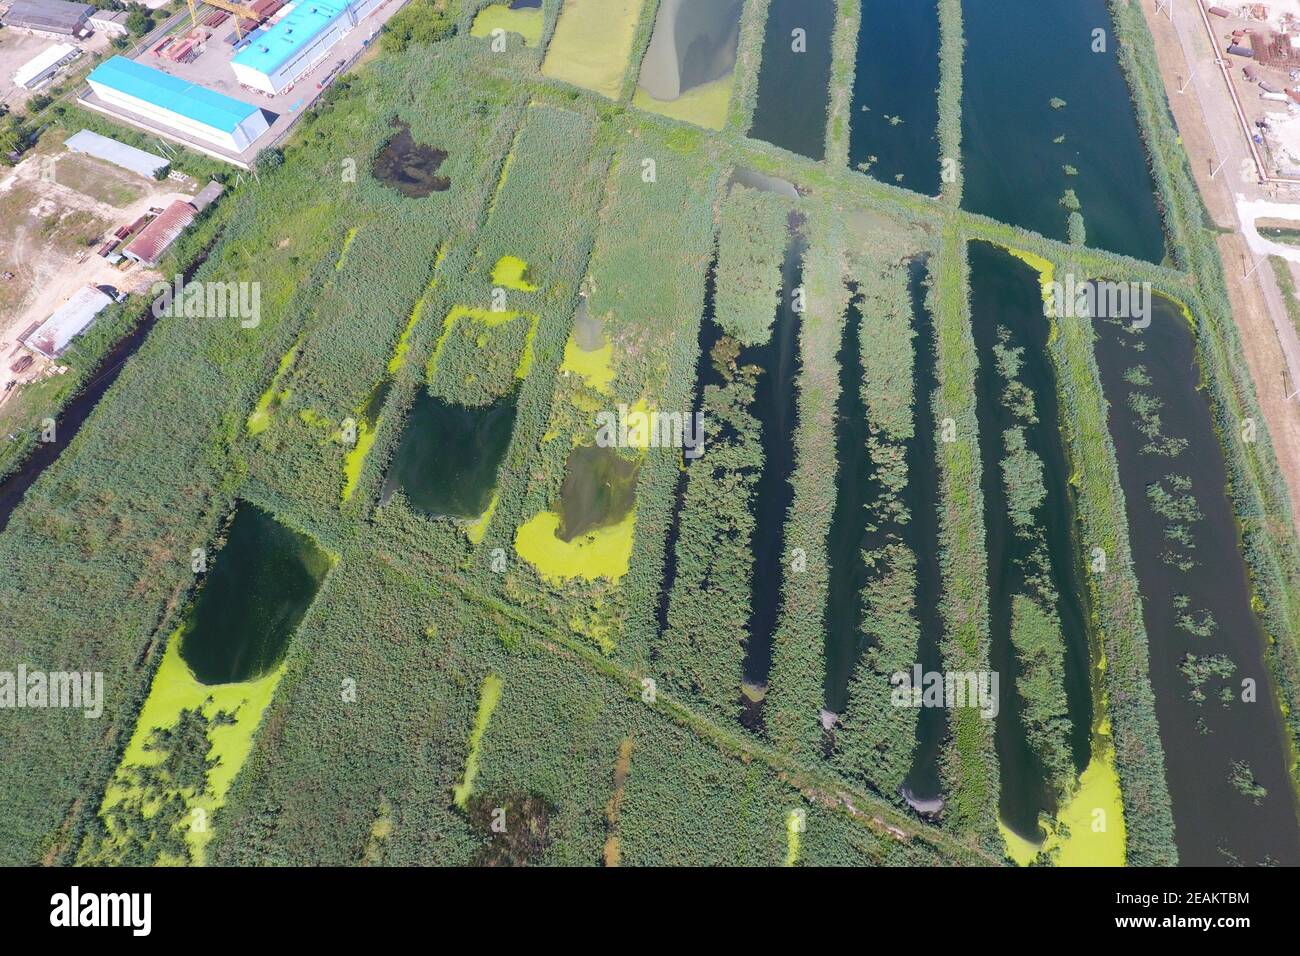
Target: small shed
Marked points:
207	195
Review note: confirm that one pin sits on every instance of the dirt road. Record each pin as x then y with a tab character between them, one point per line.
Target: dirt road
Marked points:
47	210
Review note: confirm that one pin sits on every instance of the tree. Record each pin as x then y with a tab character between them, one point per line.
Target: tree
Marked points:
139	22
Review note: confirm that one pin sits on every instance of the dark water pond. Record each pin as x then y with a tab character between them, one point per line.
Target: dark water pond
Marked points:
895	113
1006	293
776	408
793	81
854	528
705	373
449	455
1020	56
410	167
257	590
1215	823
599	490
855	490
922	535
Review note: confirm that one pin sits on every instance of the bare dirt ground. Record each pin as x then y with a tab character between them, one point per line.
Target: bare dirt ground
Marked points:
1211	134
17	47
55	208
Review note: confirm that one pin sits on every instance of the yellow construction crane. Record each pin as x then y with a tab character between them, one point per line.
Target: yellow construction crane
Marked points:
237	9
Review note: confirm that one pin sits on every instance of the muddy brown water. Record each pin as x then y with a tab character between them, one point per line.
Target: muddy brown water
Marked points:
410	167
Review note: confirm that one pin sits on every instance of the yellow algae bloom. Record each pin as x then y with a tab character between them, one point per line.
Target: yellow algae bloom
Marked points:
595	368
498	16
512	272
174	689
602	553
489	697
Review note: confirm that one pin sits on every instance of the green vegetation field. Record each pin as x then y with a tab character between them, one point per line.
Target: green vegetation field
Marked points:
572	658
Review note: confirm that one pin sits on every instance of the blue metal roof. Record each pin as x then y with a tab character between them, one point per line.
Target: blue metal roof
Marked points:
268	52
161	89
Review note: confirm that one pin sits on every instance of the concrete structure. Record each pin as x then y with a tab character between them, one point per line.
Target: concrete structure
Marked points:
192	111
274	59
56	18
41	68
119	154
148	247
109	22
52	337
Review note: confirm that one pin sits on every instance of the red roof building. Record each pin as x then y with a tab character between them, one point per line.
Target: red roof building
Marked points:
149	246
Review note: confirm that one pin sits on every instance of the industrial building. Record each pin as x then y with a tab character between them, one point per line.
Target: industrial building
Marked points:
148	247
52	337
274	59
186	108
111	23
41	68
119	154
56	18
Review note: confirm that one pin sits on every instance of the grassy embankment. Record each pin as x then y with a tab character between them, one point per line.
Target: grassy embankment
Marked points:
970	767
1256	485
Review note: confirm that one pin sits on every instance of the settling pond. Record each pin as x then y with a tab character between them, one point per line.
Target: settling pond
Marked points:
1005	293
776	408
922	536
447	461
1215	822
1021	55
854	526
599	490
893	124
410	167
794	78
693	44
260	585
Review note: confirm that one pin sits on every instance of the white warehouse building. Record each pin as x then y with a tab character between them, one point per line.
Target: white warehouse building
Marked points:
41	68
185	108
274	59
